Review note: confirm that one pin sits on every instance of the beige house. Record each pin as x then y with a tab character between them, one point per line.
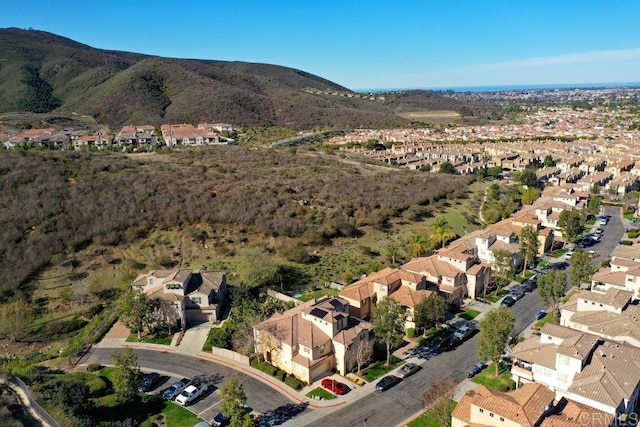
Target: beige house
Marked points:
623	274
197	296
310	340
580	367
483	406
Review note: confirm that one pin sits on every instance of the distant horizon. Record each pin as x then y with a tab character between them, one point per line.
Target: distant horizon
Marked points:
509	87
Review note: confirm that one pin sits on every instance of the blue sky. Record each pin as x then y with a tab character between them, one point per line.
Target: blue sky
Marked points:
367	44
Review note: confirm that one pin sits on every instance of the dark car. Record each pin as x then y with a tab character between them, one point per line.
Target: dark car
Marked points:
508	301
529	285
387	382
335	386
174	389
408	370
220	420
447	344
148	382
476	369
540	314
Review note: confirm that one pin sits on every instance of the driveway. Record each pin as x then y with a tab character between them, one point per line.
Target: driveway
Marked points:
194	338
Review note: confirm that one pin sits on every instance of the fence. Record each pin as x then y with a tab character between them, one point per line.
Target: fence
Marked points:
282	297
22	391
223	352
334	285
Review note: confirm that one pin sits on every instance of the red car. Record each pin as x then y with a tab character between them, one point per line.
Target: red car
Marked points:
334	386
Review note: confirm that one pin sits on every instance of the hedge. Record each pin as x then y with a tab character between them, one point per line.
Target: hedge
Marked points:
265	367
411	332
294	383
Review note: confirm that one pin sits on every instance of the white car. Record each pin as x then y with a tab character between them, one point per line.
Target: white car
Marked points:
190	394
568	255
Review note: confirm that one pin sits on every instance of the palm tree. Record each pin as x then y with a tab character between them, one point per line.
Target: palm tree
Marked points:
418	244
442	231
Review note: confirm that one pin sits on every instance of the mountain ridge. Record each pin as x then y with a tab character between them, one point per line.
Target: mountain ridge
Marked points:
42	72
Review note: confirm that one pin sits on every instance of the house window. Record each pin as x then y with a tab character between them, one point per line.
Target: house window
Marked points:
481	410
491	414
563	360
197	300
502	419
173	286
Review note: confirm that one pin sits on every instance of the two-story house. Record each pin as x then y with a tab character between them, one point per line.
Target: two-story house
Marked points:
197	296
313	338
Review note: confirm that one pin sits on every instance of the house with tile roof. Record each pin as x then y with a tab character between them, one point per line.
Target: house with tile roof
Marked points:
581	367
197	296
622	274
310	340
609	315
526	406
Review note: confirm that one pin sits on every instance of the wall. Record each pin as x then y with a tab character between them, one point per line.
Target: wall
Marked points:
223	352
283	297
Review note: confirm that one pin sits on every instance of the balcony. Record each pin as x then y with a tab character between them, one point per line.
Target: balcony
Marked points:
522	370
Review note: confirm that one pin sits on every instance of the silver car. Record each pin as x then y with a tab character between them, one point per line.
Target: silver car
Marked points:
408	370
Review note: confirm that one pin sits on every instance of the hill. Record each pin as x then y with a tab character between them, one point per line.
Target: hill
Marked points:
44	73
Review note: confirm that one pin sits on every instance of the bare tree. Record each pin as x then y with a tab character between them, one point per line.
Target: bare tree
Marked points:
162	317
267	343
363	353
438	400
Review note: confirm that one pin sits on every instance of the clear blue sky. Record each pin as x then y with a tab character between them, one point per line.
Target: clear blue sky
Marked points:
367	44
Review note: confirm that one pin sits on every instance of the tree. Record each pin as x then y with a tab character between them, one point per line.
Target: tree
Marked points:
363	353
162	317
502	268
124	378
417	244
495	329
234	401
71	396
134	308
548	161
441	231
551	288
392	253
529	245
571	224
256	267
530	195
447	167
15	319
387	320
594	205
429	311
526	177
438	401
581	268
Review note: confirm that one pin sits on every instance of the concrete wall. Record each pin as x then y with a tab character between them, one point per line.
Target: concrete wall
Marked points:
283	297
223	352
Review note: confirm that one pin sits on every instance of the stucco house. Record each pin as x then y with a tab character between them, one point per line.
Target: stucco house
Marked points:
310	340
197	296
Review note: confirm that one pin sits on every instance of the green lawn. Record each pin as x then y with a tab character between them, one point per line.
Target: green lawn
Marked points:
318	294
629	215
150	339
377	369
319	391
495	298
546	319
559	252
431	335
502	382
528	275
469	314
429	419
174	415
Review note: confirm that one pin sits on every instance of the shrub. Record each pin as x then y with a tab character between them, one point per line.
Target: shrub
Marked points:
72	325
411	332
265	367
93	367
294	383
627	242
632	234
218	337
281	375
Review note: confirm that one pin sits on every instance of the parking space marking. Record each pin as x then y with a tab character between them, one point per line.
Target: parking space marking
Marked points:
215	404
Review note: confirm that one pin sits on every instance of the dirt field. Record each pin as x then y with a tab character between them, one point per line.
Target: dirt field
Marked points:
431	115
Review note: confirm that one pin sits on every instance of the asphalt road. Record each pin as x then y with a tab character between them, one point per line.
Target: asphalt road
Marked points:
261	398
396	404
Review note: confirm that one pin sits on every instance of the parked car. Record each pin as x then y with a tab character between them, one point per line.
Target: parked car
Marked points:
190	394
174	389
508	301
407	370
540	314
148	382
516	294
449	343
476	369
529	285
220	420
387	382
463	332
335	386
568	255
